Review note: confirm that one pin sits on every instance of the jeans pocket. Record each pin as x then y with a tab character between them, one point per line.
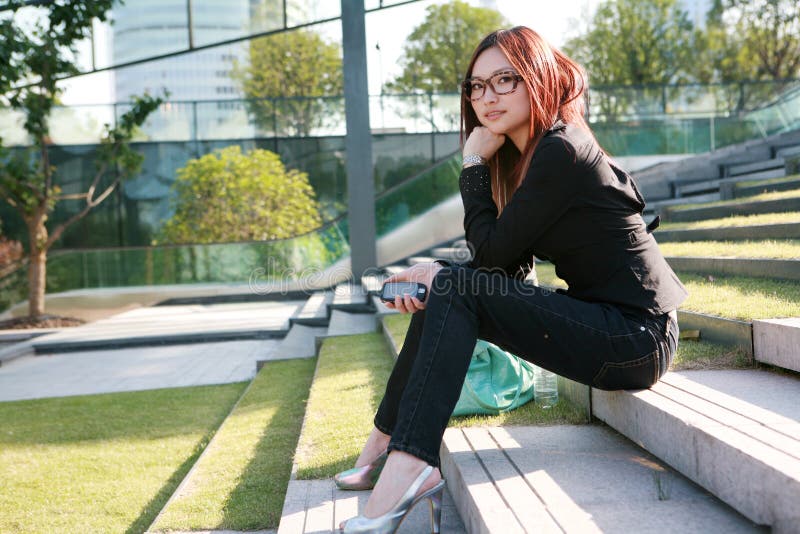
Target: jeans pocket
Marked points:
640	373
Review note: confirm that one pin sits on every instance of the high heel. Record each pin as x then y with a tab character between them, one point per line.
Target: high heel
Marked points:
361	478
391	520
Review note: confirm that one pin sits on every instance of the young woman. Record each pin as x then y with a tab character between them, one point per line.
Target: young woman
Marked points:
534	182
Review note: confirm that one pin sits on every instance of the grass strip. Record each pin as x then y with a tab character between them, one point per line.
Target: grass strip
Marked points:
564	412
787	249
351	377
736	220
700	354
738	297
774	195
102	463
240	483
765	183
731	297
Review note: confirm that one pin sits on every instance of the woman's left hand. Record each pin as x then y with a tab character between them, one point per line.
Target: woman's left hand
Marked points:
422	273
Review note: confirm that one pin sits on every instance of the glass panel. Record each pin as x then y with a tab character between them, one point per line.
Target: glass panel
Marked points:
79	124
147	28
266	15
305	11
214	21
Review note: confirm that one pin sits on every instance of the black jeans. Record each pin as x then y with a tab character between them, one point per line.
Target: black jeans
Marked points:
593	343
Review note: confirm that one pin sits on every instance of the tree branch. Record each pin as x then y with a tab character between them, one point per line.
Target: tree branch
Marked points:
90	204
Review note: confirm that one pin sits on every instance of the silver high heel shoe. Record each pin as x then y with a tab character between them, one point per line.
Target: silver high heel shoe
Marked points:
361	478
391	520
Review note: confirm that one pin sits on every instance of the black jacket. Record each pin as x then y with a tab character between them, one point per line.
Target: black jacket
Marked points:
581	212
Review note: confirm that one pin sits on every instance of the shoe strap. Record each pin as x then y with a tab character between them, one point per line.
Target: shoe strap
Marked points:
411	492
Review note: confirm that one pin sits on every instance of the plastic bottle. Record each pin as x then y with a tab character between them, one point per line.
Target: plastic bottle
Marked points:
545	387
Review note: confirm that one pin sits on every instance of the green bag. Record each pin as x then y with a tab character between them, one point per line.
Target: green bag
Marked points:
497	381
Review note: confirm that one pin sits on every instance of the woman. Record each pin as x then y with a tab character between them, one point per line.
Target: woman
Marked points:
534	182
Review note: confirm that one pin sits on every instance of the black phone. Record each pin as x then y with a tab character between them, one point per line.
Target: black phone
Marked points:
393	289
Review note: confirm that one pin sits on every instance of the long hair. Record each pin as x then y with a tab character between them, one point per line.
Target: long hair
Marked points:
557	88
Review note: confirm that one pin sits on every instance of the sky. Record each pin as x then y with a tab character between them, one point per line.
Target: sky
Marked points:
556	21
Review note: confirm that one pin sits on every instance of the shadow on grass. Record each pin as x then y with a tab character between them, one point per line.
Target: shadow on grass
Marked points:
257	500
152	508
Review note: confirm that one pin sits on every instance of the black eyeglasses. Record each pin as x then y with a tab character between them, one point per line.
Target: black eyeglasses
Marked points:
501	83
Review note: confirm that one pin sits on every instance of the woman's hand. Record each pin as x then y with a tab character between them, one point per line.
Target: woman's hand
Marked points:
483	142
422	273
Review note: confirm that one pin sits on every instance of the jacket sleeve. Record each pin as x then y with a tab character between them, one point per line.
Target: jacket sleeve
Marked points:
543	196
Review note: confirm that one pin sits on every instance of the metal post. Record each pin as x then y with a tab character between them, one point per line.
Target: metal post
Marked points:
189	23
358	141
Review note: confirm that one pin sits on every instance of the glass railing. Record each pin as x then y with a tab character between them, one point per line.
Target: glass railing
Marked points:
257	263
253	263
398	205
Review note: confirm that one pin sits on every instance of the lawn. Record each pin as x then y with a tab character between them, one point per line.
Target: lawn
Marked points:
102	463
733	221
241	480
787	249
775	195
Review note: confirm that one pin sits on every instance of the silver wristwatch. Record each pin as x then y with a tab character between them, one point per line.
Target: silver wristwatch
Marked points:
472	159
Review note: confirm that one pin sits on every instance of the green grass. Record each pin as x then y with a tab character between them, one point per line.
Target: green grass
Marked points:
736	297
693	354
102	463
563	412
736	220
732	297
240	482
770	248
351	377
775	195
772	181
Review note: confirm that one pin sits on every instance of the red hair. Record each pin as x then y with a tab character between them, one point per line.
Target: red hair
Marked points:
557	87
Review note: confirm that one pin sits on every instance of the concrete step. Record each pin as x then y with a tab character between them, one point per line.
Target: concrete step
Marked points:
753	232
765	174
741	207
300	342
751	267
350	297
454	254
394	269
318	506
315	311
756	166
788	152
169	325
413	260
344	323
572	479
735	433
777	342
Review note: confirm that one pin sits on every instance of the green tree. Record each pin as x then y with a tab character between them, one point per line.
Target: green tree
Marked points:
233	196
288	76
753	40
31	63
635	42
437	53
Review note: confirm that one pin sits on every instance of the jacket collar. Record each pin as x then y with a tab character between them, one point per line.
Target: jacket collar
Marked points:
558	125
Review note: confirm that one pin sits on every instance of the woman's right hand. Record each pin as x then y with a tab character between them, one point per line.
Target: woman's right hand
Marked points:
483	142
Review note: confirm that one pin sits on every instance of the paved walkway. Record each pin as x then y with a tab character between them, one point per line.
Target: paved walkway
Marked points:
108	371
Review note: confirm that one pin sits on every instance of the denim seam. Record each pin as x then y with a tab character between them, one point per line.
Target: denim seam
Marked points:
624	365
429	364
571	320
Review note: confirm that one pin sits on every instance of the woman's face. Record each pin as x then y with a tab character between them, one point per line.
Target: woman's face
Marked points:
508	114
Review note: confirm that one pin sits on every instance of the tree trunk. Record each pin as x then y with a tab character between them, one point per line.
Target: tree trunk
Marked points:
37	266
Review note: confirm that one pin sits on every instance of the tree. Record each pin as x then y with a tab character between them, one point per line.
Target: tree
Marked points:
635	42
230	196
438	51
287	79
31	63
752	41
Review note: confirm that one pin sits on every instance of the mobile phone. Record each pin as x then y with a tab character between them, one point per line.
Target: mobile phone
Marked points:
415	289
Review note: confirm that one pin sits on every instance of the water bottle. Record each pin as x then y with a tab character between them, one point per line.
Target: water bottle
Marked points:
545	387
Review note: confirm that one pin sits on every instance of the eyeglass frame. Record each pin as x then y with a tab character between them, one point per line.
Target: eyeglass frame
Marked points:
466	85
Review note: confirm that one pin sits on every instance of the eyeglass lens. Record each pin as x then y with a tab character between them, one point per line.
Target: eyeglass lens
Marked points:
501	83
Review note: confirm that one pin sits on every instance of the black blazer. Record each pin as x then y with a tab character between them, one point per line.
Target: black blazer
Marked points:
581	212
